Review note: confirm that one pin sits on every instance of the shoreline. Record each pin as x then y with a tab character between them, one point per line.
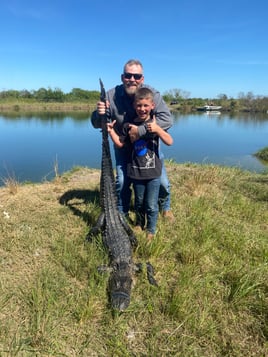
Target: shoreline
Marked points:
90	106
84	172
47	107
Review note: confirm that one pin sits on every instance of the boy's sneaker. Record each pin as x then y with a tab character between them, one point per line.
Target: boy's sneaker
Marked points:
169	216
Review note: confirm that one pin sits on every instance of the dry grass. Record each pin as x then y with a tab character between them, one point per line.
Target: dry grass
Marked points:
211	266
11	184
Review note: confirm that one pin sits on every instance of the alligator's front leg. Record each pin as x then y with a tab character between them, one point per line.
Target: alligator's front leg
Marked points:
129	231
95	230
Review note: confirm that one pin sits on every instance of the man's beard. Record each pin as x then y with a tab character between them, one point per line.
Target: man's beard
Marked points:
131	90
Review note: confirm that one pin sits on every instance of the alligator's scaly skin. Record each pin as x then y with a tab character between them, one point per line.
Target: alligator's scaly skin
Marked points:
118	237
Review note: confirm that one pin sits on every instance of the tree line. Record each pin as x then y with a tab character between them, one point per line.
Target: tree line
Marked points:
244	101
49	95
179	98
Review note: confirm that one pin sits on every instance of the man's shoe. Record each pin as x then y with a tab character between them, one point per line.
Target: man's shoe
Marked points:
150	237
169	216
137	229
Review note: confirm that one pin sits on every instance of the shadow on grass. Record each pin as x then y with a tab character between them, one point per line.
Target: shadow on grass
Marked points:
76	200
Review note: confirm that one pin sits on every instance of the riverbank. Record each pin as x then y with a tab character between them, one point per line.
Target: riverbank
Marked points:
46	107
89	106
211	267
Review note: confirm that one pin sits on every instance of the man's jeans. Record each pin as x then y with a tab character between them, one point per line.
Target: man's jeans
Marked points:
146	203
164	192
123	183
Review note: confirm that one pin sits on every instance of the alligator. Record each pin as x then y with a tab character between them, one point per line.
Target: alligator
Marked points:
118	237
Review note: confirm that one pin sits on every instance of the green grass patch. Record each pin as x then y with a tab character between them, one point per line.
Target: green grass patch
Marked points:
211	265
263	154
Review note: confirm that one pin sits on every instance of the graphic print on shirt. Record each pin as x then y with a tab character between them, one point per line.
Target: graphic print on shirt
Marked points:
145	156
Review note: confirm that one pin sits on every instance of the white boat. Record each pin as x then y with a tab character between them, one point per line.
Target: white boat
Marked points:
208	108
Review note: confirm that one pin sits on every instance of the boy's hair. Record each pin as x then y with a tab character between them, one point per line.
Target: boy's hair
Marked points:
143	93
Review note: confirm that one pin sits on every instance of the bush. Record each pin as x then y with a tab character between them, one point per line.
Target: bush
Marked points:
263	154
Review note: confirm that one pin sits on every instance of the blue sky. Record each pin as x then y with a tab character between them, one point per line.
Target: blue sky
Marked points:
204	47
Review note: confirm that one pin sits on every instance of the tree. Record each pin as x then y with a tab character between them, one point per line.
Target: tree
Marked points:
25	94
176	94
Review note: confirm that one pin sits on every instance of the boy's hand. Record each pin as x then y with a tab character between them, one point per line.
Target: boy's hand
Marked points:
152	127
110	126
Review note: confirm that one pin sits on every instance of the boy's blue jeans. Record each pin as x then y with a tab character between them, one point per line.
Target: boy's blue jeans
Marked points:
123	183
146	203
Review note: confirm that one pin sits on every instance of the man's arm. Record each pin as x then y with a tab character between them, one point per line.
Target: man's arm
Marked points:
95	119
163	116
96	114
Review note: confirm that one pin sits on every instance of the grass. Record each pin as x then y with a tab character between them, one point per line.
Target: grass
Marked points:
31	105
263	154
211	266
11	183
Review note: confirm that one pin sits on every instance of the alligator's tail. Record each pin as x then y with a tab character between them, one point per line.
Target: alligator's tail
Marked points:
120	283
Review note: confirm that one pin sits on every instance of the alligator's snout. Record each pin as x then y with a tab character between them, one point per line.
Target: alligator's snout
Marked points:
120	300
120	288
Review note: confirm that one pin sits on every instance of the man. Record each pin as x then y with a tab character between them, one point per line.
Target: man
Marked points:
119	107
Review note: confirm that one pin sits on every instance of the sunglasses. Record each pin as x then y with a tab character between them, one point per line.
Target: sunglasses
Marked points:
137	76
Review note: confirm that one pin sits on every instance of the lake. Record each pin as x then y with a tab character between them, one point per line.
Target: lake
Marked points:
31	145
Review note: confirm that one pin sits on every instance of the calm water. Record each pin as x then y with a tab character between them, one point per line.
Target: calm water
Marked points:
30	145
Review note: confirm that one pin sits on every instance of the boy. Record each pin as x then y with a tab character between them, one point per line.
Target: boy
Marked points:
144	165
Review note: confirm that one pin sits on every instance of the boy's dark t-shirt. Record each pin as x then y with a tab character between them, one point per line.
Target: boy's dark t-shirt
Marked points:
143	160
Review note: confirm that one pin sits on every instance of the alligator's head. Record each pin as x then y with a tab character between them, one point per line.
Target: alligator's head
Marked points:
120	287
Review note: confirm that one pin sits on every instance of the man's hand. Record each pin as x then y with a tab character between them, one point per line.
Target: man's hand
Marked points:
101	107
133	132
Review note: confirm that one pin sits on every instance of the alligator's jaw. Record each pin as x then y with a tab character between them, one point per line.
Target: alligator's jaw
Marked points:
120	288
120	301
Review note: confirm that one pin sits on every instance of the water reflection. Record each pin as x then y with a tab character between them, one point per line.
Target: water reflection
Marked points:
31	143
219	116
